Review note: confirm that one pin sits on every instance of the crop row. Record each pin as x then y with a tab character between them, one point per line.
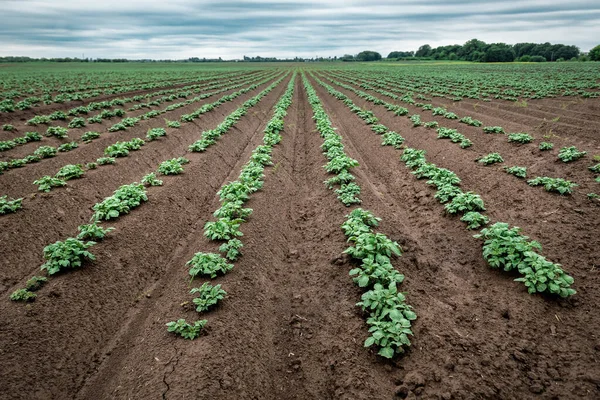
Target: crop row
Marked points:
229	217
566	154
389	316
49	151
73	251
503	246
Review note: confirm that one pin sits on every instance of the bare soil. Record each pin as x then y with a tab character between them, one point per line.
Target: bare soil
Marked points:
289	327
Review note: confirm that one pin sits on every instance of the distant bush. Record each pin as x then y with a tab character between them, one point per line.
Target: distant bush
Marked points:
538	59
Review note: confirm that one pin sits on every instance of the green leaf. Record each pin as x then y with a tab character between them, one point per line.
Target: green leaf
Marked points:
386	352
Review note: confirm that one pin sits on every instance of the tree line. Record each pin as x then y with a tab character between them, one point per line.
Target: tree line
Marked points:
480	51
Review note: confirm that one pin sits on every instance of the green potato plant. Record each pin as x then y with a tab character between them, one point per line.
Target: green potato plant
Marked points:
185	330
208	296
208	264
69	253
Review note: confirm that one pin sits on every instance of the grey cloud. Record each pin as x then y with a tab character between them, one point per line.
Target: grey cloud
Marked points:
231	29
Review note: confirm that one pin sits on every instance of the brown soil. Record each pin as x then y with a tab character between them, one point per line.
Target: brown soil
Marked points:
289	328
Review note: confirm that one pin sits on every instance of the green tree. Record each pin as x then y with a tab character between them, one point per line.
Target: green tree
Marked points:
595	53
368	55
423	51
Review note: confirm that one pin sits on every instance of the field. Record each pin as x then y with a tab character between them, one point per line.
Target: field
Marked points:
261	202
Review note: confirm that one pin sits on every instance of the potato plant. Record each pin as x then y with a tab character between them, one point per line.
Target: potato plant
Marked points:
348	194
171	167
8	206
46	183
544	146
45	151
119	149
223	229
208	264
390	319
490	159
465	202
70	253
77	122
123	200
231	249
475	220
155	133
470	121
208	296
151	180
67	147
106	160
70	171
186	330
505	247
520	138
57	131
89	136
519	172
559	185
568	154
389	315
92	231
393	139
493	129
23	295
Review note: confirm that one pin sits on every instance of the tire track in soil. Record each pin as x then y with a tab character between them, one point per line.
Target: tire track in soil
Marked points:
96	299
64	209
479	335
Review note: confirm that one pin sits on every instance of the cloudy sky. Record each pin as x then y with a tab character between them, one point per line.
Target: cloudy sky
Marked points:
282	28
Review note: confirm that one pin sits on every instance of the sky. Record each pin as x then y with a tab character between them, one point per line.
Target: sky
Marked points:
179	29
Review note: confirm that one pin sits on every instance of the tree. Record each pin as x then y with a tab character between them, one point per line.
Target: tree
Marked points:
423	51
499	52
368	55
400	54
595	53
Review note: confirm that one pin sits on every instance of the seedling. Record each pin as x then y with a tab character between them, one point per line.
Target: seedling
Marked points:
208	264
57	131
70	172
106	160
68	254
231	249
567	154
8	206
92	231
475	220
46	183
491	158
186	330
151	180
519	172
67	147
520	138
544	146
208	296
559	185
464	202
